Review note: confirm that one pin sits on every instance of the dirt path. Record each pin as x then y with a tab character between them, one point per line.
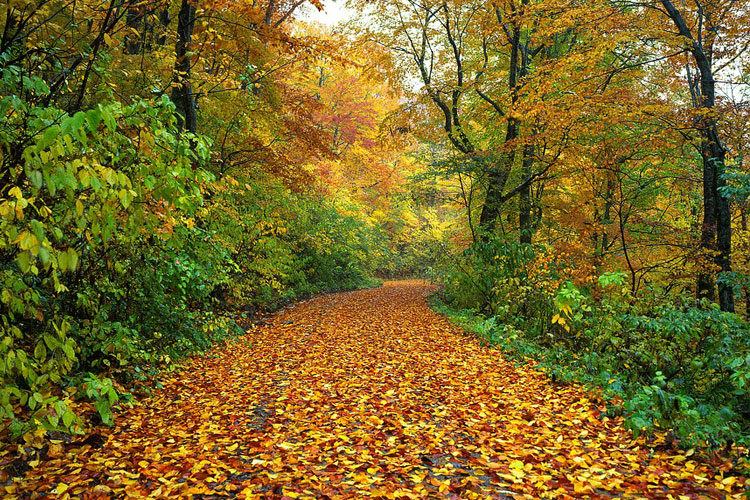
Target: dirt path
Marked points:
368	394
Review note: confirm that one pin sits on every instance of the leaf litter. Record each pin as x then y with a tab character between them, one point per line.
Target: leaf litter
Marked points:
369	394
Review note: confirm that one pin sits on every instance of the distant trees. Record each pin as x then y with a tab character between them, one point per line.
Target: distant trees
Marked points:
521	88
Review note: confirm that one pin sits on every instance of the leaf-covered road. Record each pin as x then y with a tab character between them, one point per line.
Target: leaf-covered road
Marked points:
368	394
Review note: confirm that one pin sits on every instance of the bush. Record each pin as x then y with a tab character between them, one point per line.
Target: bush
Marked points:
668	364
283	245
99	260
505	279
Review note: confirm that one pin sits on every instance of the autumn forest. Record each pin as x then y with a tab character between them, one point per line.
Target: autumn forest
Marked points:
389	249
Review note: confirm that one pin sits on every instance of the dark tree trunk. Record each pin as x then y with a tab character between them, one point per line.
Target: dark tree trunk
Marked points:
714	155
716	233
182	92
723	223
706	285
607	219
524	197
497	178
745	288
164	19
108	24
490	212
10	35
134	19
527	150
141	18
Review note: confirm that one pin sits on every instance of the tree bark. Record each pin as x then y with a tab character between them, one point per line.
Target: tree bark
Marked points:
525	228
745	288
134	20
108	24
490	212
497	178
182	91
706	285
140	17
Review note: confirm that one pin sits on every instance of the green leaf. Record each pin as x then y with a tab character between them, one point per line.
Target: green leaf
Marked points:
93	119
125	197
40	352
38	228
109	119
69	143
68	418
36	179
72	259
44	255
51	341
76	122
68	350
49	135
53	419
112	396
60	407
62	261
105	412
67	260
24	261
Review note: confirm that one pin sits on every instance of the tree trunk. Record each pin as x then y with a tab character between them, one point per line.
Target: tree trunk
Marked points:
716	233
714	154
490	213
182	92
140	18
745	288
524	197
723	235
134	20
607	219
497	178
706	284
111	19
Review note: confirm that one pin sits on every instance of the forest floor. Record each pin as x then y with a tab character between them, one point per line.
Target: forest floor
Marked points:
369	394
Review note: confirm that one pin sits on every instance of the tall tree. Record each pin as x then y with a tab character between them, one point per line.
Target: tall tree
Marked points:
182	90
702	28
455	50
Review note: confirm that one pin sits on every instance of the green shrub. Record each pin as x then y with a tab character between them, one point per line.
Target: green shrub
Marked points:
89	226
668	364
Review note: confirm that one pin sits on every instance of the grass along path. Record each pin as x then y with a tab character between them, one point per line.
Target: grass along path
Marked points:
368	394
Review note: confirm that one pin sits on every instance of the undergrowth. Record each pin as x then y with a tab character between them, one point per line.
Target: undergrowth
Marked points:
665	365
